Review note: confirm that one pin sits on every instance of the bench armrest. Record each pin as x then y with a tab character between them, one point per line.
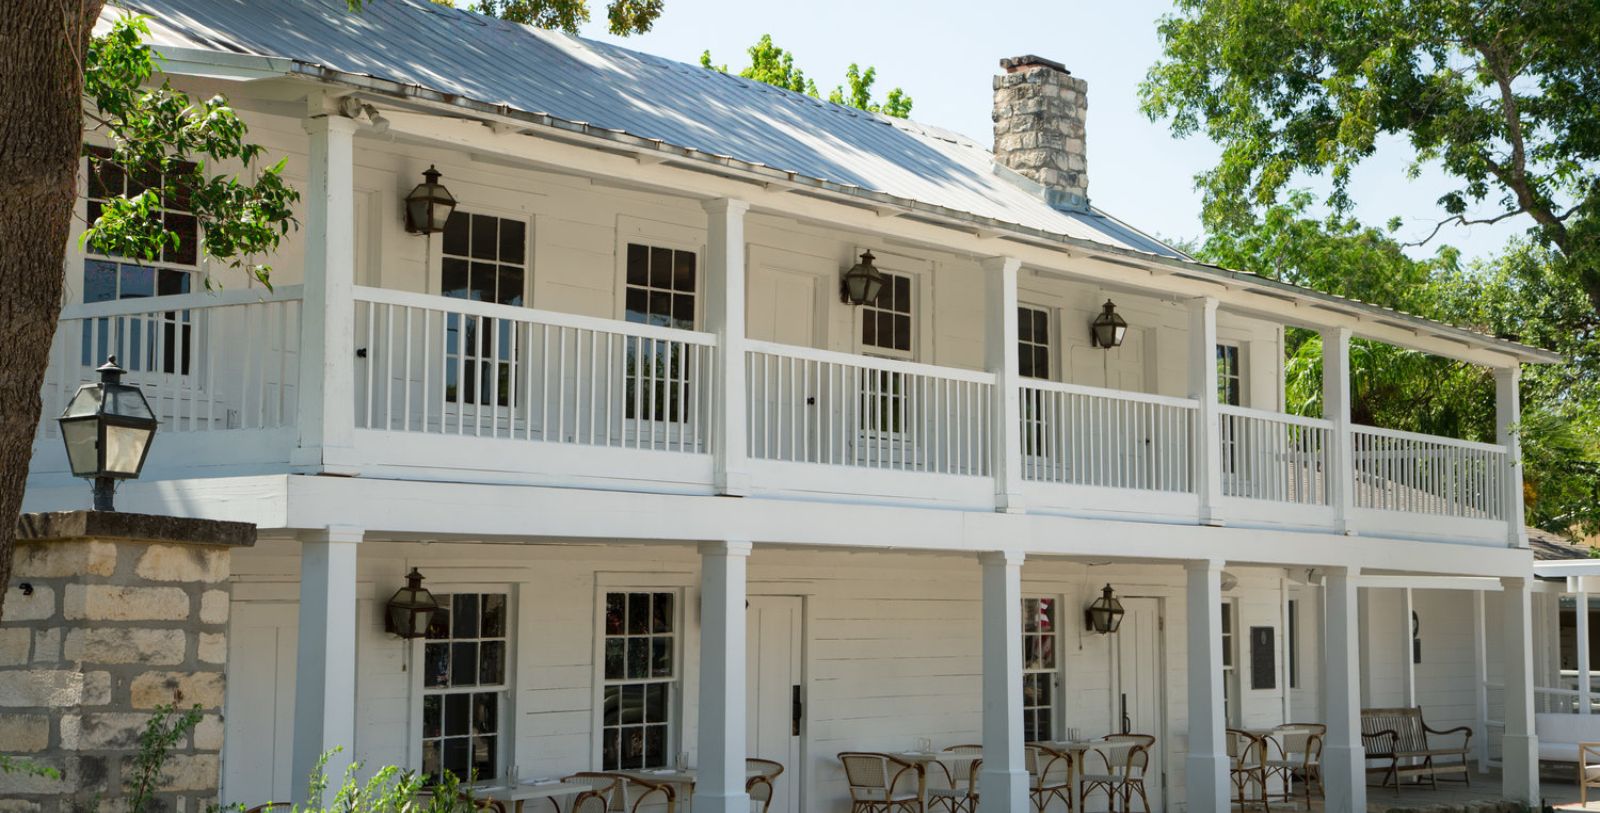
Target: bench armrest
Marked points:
1465	731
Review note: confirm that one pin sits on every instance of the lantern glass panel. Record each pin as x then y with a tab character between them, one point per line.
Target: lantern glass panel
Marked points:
125	447
82	437
128	402
86	402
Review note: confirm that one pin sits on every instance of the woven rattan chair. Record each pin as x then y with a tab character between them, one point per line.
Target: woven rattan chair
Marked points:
1247	768
630	793
1588	770
597	800
1049	776
270	806
959	793
1294	754
1121	776
880	783
760	786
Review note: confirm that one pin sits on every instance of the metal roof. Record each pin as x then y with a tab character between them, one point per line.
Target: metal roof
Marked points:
417	42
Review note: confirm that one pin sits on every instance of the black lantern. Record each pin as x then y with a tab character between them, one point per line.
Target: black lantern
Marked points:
411	608
862	282
1105	614
1108	328
107	427
429	205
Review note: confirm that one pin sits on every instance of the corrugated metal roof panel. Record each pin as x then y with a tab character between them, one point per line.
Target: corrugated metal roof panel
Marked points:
451	51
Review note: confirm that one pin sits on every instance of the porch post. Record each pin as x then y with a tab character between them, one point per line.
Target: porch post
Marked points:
1207	762
1519	748
1580	608
1344	760
725	308
325	665
1508	427
1340	477
1407	610
720	786
1203	388
1480	678
1000	274
1003	781
326	401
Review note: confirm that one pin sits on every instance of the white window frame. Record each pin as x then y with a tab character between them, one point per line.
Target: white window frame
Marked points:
508	716
678	688
1052	324
519	367
1051	673
1230	662
1239	371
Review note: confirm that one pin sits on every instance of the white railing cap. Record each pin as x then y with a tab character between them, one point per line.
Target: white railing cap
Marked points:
180	302
517	313
868	362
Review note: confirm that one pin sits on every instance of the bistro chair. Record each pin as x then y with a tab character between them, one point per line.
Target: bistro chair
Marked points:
759	787
960	793
597	800
876	783
463	804
1049	775
629	793
1295	755
1122	776
1247	768
270	806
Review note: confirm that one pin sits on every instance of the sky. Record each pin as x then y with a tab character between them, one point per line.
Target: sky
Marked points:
944	53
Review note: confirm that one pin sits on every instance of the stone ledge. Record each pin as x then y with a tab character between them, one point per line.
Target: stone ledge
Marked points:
74	525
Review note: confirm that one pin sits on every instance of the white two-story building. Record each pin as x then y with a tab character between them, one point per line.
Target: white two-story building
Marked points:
686	504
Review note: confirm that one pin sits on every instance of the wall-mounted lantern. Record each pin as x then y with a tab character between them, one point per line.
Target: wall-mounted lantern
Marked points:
429	205
107	427
1108	328
411	609
861	284
1104	615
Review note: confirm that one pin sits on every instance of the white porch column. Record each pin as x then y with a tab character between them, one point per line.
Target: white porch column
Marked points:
725	310
1340	476
1207	762
1003	780
326	400
1581	609
1508	426
1519	748
1407	611
720	787
1344	761
1000	274
1480	677
325	665
1203	388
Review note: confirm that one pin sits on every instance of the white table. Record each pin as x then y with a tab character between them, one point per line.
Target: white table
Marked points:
520	793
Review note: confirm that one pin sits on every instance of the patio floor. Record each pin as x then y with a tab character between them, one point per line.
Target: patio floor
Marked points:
1557	790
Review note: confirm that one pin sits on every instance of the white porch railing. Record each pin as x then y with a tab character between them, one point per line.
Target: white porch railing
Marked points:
1423	474
1096	437
448	366
818	406
206	361
1274	456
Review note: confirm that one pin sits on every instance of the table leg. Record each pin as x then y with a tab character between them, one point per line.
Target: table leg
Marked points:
922	787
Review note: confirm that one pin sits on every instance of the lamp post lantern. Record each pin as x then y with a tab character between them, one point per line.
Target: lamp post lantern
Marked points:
1105	614
861	284
1108	328
107	428
411	608
429	205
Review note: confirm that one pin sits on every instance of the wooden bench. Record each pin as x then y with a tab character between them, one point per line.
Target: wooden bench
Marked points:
1409	748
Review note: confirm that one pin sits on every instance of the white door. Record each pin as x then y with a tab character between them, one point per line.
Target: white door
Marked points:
775	691
1137	685
780	307
258	722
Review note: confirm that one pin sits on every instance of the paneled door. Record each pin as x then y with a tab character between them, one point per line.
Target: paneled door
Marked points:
1138	685
780	307
775	691
258	723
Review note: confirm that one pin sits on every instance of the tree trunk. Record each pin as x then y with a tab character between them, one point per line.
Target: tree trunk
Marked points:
41	126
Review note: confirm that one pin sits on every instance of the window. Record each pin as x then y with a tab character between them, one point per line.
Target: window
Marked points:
641	673
464	686
1033	342
1229	376
661	286
1230	670
886	320
483	259
142	345
1291	641
1038	669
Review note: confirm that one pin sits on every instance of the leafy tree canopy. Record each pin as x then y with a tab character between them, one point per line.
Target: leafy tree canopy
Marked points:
624	17
775	66
1500	94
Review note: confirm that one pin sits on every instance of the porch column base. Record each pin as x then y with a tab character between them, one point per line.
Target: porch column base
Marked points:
1344	779
1208	783
721	803
1003	792
1519	756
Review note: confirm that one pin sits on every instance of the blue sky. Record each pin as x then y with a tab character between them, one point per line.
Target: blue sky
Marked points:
944	53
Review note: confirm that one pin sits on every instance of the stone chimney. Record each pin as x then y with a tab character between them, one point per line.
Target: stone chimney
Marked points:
1039	109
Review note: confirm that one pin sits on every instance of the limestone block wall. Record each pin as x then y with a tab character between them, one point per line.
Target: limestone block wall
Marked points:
108	617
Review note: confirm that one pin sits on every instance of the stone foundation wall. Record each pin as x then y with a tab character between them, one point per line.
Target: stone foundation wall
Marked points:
108	617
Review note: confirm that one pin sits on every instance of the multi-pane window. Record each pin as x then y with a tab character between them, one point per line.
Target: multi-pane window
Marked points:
1292	643
1033	342
1230	378
641	670
1230	671
886	321
163	344
1038	669
464	687
661	285
483	259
